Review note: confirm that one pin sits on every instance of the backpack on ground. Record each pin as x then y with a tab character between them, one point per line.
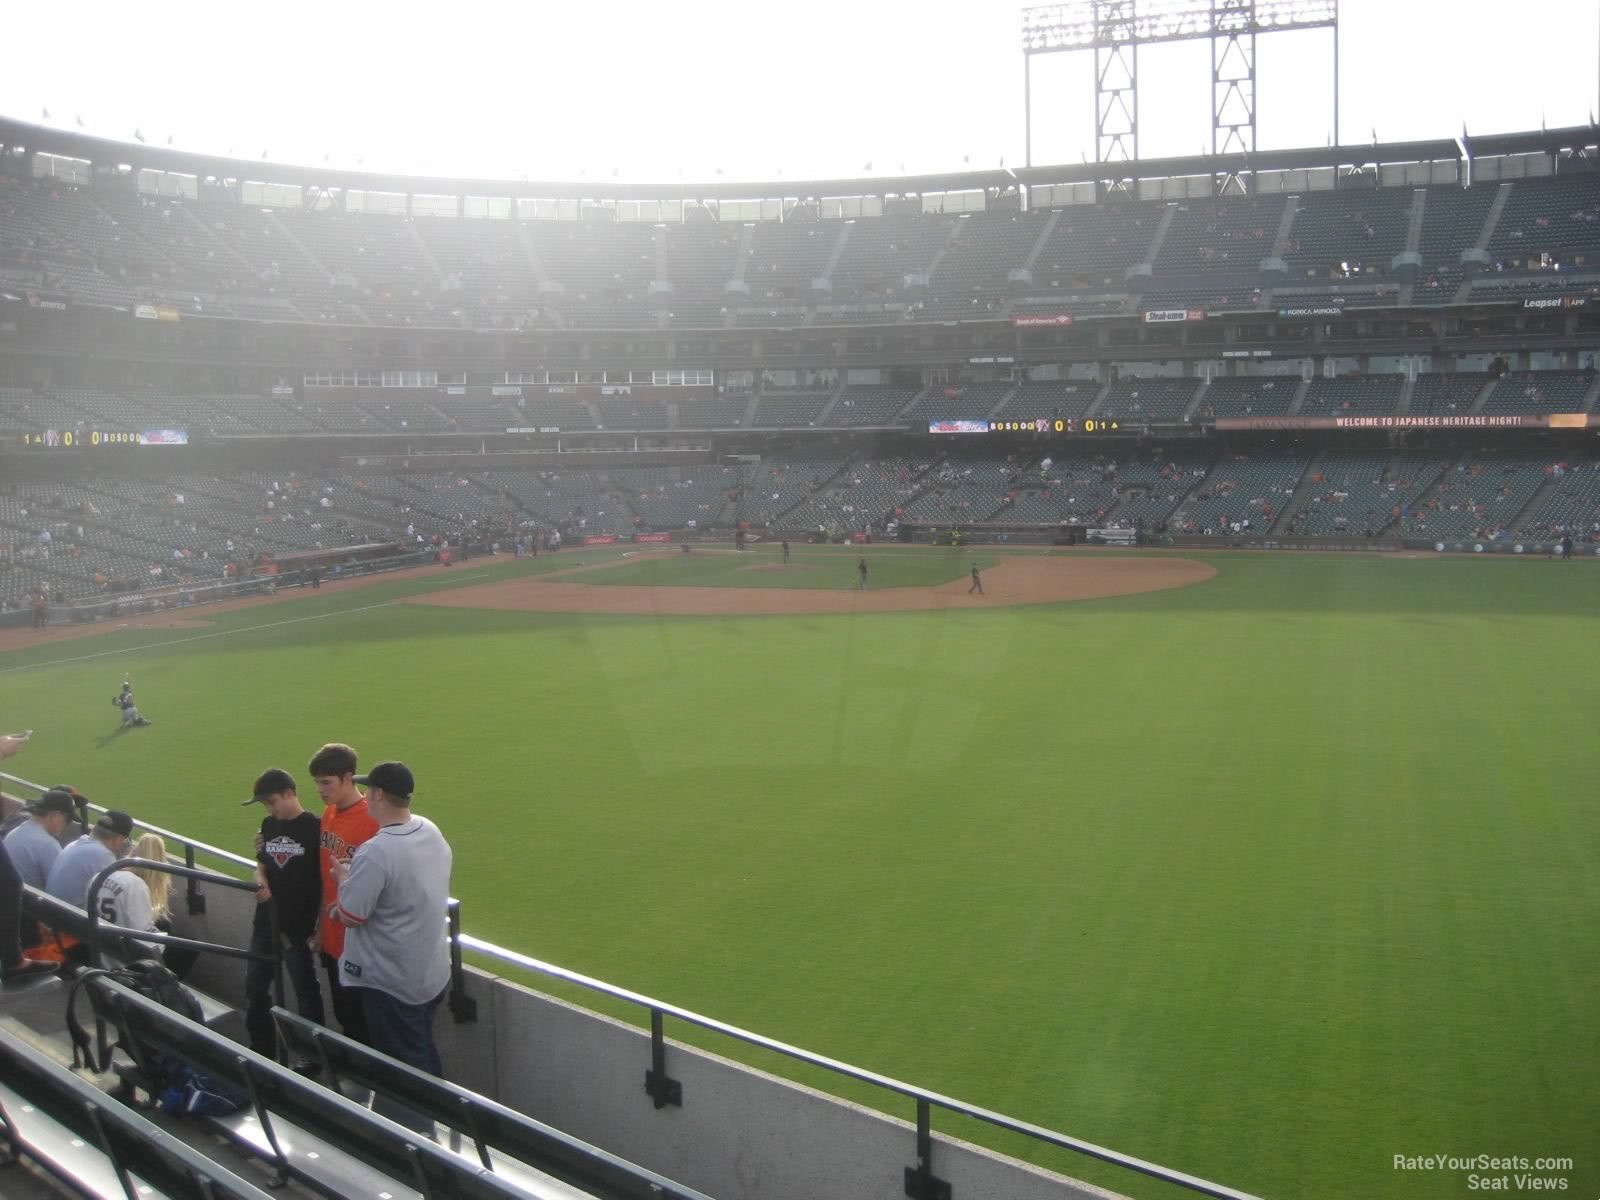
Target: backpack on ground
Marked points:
178	1087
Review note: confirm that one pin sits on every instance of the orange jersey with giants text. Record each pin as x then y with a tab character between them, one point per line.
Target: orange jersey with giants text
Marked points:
342	831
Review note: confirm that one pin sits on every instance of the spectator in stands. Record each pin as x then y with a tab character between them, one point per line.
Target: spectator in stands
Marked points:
346	824
81	861
35	845
392	899
13	967
288	890
140	898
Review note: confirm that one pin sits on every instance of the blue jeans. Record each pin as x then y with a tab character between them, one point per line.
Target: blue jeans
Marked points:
403	1031
258	984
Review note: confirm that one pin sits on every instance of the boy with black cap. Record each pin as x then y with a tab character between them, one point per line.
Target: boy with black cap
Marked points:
288	883
392	900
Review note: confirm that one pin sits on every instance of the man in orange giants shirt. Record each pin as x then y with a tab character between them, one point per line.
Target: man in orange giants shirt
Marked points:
345	825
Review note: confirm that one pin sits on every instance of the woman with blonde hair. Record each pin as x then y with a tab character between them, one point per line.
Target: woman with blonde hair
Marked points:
141	898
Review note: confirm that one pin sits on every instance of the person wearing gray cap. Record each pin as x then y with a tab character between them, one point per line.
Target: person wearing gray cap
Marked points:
392	900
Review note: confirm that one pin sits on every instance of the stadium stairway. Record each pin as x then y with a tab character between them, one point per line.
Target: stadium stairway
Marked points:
1432	490
359	1125
1485	235
1308	483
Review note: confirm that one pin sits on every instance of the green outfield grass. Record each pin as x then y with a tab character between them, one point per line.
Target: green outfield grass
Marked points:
1268	880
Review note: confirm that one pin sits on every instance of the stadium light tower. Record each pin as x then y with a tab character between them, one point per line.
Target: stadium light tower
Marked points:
1115	29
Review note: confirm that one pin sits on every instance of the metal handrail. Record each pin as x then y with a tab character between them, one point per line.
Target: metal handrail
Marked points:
97	926
886	1082
659	1009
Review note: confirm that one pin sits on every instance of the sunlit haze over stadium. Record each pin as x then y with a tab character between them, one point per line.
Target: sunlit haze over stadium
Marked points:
657	92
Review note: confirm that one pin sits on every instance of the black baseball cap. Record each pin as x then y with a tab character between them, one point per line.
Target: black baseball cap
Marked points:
117	822
393	778
270	783
56	800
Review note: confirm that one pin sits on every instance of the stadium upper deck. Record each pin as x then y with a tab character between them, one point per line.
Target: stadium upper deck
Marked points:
88	222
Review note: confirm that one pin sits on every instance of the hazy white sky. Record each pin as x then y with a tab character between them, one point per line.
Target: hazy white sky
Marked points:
680	89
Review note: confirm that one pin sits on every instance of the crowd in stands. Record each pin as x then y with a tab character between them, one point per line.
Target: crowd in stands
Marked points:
107	536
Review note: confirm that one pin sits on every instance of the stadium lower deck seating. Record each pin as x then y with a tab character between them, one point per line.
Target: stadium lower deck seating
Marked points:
1361	492
132	532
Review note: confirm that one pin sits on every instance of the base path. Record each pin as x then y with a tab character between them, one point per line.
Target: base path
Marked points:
1019	580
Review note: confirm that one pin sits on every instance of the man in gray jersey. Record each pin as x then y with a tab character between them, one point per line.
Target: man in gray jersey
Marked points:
35	843
392	899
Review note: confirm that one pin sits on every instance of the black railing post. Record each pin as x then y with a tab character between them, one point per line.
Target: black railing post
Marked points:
196	898
662	1090
921	1183
462	1006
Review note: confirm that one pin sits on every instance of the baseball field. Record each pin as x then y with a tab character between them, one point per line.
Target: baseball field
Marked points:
1268	869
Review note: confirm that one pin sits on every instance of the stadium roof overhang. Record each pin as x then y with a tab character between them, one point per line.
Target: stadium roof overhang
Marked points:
103	151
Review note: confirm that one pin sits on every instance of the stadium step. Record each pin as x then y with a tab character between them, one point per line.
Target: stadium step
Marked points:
427	255
837	252
1302	489
1040	241
1299	400
1419	205
1491	221
1407	390
1482	398
1160	236
827	409
1099	399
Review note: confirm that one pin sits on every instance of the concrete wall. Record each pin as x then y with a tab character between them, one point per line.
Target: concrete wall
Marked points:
741	1134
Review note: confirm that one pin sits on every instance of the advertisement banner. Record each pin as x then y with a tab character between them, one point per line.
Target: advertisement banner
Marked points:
643	538
1556	302
1466	421
1157	316
155	312
1313	310
958	426
164	437
1034	319
600	539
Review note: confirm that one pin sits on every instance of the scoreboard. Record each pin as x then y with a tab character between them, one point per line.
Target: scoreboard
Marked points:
89	439
1035	425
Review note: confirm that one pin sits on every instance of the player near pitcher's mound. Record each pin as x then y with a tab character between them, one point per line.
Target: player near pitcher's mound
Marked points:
977	581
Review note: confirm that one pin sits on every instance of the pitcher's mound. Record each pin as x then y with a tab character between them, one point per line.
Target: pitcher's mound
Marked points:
1014	581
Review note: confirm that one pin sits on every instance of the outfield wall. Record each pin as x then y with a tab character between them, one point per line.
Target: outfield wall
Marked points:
740	1134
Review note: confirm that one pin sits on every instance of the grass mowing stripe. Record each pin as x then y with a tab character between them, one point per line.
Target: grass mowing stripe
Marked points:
199	637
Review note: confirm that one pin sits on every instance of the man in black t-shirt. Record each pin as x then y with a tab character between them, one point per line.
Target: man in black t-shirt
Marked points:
288	883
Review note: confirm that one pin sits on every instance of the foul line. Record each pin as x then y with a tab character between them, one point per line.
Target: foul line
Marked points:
199	637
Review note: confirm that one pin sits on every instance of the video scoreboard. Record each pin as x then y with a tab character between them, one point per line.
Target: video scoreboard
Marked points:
89	439
1036	425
